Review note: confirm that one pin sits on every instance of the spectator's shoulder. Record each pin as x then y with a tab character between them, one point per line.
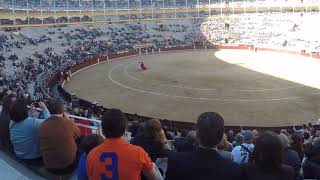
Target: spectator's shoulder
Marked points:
288	170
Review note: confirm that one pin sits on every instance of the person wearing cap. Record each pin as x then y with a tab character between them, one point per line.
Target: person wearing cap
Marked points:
242	152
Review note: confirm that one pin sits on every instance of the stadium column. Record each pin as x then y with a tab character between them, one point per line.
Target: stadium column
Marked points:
220	7
128	6
163	9
198	8
13	11
209	8
117	9
104	10
140	8
68	17
92	11
175	8
151	9
28	18
244	5
186	8
41	11
232	6
79	4
55	12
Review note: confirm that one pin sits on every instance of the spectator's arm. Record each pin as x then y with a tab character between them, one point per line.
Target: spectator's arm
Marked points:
45	111
150	175
148	169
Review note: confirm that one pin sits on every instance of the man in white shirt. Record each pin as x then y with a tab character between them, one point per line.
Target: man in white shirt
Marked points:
242	152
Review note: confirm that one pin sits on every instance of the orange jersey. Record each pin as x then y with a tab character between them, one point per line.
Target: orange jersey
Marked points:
116	159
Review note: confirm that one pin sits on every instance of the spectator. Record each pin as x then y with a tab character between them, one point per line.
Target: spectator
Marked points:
5	121
24	131
311	166
58	135
242	152
189	144
223	147
267	160
290	156
152	140
205	162
87	144
296	143
115	158
230	136
179	142
238	140
284	131
306	139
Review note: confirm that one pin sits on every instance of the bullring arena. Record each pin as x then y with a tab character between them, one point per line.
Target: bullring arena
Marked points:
248	88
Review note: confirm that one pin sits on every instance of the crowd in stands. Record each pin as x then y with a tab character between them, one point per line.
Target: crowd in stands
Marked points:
51	139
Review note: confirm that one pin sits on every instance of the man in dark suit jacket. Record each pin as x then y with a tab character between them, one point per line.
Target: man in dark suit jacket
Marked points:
205	162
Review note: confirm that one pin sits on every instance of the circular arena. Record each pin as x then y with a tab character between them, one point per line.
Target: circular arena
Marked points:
266	89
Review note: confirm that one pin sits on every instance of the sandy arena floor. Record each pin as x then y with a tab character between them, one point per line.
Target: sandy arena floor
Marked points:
246	88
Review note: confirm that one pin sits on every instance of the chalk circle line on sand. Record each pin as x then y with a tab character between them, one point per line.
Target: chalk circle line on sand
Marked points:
109	75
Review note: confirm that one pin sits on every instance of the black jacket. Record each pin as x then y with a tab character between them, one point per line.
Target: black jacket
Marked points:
201	164
291	158
252	172
311	168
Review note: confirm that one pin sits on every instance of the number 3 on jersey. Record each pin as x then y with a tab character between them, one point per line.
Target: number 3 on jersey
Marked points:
112	168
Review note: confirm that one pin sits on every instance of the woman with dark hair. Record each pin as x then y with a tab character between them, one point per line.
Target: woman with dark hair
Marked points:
296	143
24	131
266	160
5	141
152	140
87	144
